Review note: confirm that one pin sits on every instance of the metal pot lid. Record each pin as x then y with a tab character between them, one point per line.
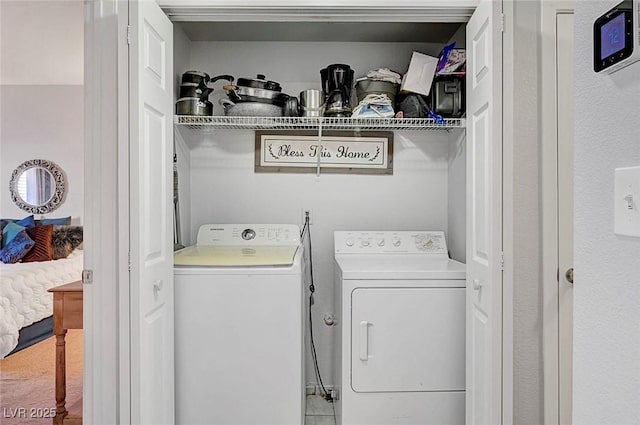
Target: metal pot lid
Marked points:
260	82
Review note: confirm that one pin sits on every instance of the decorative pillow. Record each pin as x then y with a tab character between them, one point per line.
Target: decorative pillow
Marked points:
28	221
65	240
10	231
62	221
17	248
42	250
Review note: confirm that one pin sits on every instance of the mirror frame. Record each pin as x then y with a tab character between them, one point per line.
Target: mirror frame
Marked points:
58	192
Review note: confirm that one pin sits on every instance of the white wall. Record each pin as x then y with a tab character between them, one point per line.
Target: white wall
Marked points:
43	122
225	189
41	42
607	267
182	56
457	198
41	92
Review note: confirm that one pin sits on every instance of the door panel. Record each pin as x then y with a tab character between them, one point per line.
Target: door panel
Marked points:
151	144
407	339
484	216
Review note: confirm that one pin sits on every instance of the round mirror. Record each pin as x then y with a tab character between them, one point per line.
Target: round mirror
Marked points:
37	186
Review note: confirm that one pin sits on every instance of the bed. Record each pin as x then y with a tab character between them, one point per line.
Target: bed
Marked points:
25	304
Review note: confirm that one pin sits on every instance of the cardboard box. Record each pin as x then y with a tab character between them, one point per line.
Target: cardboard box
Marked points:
419	77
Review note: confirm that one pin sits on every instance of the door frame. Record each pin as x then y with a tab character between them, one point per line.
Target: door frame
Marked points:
107	395
550	267
106	214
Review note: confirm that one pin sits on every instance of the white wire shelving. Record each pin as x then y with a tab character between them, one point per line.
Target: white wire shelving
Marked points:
212	123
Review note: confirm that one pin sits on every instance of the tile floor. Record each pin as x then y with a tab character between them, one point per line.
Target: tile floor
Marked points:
319	411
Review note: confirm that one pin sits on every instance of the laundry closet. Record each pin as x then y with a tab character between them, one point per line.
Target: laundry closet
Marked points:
218	183
428	188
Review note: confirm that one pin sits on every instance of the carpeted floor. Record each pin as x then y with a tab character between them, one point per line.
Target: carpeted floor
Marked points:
27	381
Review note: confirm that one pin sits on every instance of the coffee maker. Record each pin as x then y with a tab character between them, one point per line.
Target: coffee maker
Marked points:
337	80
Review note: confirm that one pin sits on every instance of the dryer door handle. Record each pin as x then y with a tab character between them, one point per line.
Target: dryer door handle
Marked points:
364	340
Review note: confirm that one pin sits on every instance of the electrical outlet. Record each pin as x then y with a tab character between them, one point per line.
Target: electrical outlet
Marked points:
304	215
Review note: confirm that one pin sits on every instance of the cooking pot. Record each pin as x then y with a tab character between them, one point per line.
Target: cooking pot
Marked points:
367	86
250	109
200	77
260	82
194	106
240	94
256	90
195	90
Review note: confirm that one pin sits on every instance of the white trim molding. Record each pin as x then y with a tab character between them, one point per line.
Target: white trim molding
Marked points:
105	310
549	173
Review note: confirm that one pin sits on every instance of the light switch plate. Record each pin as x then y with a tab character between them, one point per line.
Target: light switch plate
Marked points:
627	201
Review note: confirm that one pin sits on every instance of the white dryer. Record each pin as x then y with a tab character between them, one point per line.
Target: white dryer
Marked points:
239	327
401	329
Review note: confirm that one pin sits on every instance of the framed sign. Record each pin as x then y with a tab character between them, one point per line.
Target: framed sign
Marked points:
368	152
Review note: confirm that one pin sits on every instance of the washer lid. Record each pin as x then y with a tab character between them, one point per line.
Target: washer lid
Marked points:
235	256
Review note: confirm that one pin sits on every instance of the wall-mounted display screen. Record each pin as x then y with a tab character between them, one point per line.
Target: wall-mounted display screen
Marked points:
613	42
612	36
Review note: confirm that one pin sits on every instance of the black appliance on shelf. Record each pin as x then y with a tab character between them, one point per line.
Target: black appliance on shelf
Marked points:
447	96
337	81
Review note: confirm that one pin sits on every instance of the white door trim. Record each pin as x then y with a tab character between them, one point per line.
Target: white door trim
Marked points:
508	106
105	308
550	297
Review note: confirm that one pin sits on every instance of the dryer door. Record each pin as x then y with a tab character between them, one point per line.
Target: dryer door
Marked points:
408	339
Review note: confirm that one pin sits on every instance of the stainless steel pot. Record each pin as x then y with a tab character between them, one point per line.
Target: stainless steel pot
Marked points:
250	109
194	106
260	82
240	94
195	90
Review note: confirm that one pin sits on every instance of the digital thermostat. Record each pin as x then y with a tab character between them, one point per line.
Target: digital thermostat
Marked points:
616	37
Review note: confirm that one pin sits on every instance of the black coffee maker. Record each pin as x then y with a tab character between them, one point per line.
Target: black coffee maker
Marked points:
337	80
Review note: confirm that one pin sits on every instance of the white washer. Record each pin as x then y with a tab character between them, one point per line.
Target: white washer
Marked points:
401	329
238	327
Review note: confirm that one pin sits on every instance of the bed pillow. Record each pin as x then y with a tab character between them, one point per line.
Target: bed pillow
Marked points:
65	240
42	250
62	221
10	231
19	246
28	221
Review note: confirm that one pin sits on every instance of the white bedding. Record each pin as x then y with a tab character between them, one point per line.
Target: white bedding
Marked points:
23	293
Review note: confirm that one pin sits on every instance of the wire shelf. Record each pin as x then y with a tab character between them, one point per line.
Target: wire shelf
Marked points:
210	123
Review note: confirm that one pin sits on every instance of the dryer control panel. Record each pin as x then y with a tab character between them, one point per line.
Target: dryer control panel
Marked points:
248	234
389	242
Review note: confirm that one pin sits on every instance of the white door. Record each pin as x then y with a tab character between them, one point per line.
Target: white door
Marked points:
484	216
151	143
407	339
564	60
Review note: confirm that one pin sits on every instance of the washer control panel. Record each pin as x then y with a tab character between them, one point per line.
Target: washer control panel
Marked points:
248	234
389	242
